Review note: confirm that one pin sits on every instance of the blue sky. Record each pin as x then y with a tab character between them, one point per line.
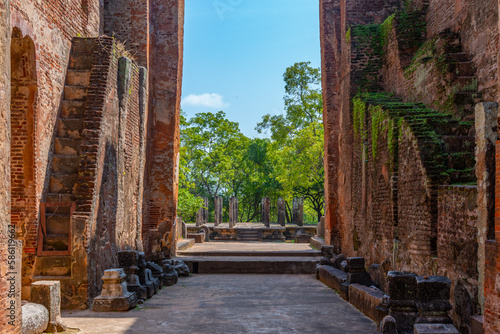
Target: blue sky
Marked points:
236	51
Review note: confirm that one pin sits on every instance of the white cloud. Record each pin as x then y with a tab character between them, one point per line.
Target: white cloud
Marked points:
213	101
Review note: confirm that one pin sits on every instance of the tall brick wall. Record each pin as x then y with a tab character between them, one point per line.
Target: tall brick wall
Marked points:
457	249
164	104
50	25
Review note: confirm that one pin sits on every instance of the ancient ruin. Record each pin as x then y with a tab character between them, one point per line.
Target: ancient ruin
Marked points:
89	157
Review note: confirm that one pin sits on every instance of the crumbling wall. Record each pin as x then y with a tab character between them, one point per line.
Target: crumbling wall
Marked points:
112	164
457	249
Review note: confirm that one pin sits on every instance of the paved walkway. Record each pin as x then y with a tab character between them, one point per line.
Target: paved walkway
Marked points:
216	304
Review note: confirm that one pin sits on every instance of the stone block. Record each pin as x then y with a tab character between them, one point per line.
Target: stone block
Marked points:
115	295
199	238
320	232
355	264
402	292
181	268
48	294
204	229
327	251
303	238
145	276
157	272
435	329
337	260
388	325
317	242
433	299
334	278
35	318
171	275
366	299
476	325
378	274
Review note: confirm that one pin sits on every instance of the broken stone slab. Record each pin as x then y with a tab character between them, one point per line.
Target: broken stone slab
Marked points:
199	238
115	295
337	260
157	272
388	325
433	299
35	318
366	299
334	278
435	329
301	237
48	294
181	268
128	260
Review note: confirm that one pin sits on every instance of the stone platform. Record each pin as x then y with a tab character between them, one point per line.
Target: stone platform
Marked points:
251	258
252	231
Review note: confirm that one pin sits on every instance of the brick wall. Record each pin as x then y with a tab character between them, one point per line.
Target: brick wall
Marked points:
457	249
50	25
164	111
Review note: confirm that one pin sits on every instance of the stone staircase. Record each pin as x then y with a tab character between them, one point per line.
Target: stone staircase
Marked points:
54	260
249	235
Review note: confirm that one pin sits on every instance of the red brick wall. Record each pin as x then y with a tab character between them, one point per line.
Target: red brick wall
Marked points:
50	25
167	31
457	249
477	23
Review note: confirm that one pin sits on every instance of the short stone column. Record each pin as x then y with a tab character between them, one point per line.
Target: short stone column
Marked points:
128	260
48	294
298	211
115	295
157	272
199	217
219	205
320	231
281	212
266	211
205	211
233	211
402	293
433	300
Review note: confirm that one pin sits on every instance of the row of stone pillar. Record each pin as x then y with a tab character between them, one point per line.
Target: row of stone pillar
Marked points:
297	212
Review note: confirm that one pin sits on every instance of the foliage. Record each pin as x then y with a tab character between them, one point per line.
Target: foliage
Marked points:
218	160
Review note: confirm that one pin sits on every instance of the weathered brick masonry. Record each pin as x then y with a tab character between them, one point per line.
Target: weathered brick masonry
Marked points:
386	155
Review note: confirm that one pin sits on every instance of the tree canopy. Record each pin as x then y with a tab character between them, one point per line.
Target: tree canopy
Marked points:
218	160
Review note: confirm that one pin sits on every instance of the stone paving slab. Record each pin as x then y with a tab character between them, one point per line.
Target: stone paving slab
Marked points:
226	248
253	304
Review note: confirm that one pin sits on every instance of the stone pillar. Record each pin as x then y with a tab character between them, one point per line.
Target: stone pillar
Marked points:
205	211
402	292
320	231
266	211
233	211
281	212
115	295
486	137
298	211
48	294
433	300
199	217
219	205
129	260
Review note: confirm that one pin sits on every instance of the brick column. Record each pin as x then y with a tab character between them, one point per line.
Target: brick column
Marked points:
5	80
165	78
329	12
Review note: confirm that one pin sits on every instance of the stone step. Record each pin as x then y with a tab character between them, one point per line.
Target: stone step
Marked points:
58	223
82	45
70	127
461	161
458	143
467	83
63	183
250	265
459	57
75	93
256	254
56	242
53	266
72	109
56	198
185	244
466	69
67	146
65	164
78	78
